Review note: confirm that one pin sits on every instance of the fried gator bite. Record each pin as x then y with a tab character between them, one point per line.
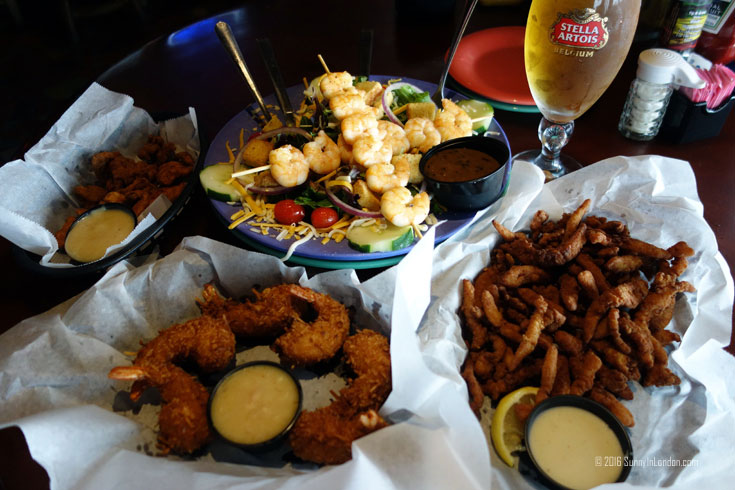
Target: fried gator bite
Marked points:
575	306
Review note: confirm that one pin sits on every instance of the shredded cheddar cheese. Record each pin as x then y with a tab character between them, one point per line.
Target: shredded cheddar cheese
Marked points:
401	109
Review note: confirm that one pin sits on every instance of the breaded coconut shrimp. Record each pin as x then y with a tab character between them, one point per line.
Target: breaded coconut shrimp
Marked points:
452	122
263	319
386	176
334	83
394	135
325	435
306	343
370	150
402	209
322	154
288	166
308	327
422	134
209	342
357	125
368	355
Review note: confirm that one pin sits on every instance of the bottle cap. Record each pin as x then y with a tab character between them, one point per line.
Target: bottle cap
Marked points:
665	66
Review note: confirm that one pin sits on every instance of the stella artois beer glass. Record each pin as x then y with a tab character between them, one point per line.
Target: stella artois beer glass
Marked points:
573	50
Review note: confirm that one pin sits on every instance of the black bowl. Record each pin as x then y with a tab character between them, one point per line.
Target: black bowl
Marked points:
273	441
474	194
596	409
84	215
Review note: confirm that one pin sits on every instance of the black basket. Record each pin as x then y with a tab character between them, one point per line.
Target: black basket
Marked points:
687	121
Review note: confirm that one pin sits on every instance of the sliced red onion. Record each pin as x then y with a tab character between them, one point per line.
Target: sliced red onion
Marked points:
284	130
237	165
386	105
350	209
269	191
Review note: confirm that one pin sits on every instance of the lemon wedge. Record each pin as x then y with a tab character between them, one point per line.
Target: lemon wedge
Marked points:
506	430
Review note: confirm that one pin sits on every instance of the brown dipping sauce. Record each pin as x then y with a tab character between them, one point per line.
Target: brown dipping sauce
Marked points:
460	165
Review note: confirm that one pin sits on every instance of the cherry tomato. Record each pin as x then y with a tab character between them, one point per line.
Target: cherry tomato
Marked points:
324	217
288	212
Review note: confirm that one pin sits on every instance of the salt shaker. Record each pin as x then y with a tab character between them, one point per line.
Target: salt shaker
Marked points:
658	71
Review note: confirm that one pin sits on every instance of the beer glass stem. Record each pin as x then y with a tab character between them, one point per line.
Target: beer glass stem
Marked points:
553	136
549	158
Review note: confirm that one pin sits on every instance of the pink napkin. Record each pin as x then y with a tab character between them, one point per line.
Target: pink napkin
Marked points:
720	84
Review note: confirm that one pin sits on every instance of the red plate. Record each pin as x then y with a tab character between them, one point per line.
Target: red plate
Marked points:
490	63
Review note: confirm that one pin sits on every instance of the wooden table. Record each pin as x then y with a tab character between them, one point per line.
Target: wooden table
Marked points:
190	68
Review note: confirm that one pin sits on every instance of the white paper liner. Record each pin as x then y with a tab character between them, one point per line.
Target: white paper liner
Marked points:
54	366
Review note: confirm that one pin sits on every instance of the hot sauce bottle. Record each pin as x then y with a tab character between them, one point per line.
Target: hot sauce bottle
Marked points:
683	25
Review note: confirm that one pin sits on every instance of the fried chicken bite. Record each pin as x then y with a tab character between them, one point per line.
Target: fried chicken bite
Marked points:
90	195
170	172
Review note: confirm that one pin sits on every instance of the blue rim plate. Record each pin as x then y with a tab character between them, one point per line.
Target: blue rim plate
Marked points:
330	255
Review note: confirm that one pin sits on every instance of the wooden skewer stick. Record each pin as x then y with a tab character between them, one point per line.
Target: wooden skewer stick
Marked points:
324	64
254	170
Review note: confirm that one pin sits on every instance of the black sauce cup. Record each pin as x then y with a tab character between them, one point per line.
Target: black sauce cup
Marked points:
104	206
277	439
591	406
473	194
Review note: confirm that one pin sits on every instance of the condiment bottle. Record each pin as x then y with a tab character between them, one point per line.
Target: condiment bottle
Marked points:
683	25
658	71
717	42
651	20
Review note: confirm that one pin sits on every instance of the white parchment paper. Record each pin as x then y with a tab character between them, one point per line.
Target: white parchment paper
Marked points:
683	435
55	387
53	367
36	193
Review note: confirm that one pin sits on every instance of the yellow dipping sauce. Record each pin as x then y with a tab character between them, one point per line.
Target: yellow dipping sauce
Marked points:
91	236
254	404
575	448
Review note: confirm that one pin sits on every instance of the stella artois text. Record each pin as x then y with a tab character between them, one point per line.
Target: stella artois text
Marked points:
573	50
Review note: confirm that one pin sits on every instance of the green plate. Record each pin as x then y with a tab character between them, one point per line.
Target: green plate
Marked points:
503	106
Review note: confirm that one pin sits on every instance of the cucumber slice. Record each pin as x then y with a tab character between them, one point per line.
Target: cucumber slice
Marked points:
368	239
214	180
480	112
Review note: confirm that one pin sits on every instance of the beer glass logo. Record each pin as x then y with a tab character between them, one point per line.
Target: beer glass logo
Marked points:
580	28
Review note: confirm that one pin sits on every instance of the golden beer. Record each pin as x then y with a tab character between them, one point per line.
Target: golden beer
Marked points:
573	50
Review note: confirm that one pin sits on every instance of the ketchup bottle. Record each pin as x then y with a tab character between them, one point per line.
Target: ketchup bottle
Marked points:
717	41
